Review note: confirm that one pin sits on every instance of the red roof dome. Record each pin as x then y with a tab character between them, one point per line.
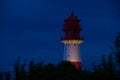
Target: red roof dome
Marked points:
72	17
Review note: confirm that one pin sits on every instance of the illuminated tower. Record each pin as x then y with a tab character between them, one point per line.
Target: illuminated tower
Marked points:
72	40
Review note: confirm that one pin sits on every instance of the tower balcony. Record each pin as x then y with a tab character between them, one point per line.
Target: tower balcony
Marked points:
67	40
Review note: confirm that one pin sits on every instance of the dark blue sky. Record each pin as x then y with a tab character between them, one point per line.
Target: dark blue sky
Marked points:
32	29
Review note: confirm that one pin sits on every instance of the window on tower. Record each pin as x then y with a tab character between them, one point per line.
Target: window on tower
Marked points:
68	55
74	44
68	44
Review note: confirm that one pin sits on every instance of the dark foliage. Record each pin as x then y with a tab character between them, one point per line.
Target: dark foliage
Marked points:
1	76
116	51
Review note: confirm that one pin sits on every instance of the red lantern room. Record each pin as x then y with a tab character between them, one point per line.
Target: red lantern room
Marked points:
72	28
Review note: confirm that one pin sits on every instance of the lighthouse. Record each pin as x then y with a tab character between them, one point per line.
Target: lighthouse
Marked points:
72	40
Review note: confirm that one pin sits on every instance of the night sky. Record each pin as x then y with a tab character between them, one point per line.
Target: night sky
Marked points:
32	29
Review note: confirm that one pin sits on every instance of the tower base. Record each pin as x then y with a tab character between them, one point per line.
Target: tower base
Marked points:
78	65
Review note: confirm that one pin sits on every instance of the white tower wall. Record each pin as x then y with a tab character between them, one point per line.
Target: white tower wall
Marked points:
72	53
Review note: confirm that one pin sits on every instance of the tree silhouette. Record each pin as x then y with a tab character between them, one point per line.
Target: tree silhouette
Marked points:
105	70
19	69
7	76
31	72
116	50
49	72
1	76
66	71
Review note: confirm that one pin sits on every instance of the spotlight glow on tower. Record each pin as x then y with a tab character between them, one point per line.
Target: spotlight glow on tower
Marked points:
72	40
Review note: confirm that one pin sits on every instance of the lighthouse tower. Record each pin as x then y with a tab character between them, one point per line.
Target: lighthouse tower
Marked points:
72	40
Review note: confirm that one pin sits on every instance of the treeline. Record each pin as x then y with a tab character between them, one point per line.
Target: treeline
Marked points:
108	69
